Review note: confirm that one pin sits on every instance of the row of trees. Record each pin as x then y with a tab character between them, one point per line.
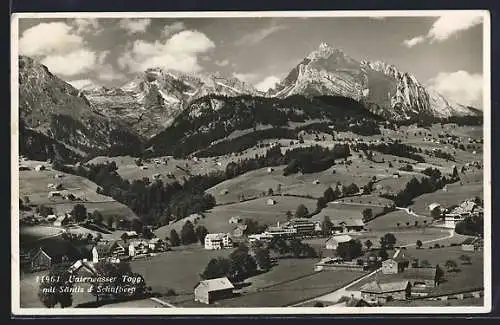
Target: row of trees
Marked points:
189	235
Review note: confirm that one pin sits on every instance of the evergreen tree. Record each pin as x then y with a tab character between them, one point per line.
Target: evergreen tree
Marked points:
301	211
188	235
174	238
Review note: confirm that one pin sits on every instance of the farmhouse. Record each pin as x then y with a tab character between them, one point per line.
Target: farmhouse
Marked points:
334	241
472	244
375	292
235	220
61	220
218	241
208	291
348	225
54	252
270	202
395	265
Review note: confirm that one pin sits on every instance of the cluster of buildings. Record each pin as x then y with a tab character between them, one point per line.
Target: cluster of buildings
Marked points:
297	227
65	252
451	217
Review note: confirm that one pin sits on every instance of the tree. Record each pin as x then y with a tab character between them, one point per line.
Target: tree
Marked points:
451	265
79	212
350	250
455	173
201	232
270	191
367	214
174	238
97	216
44	211
425	263
289	215
383	254
242	265
109	221
296	247
329	195
388	241
439	275
216	268
56	289
465	259
301	211
368	244
416	223
131	284
188	235
137	226
124	237
326	226
419	244
263	259
321	204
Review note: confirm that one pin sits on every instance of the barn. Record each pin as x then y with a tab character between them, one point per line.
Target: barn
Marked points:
208	291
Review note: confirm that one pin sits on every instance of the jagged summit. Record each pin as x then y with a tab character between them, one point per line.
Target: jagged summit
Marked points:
384	89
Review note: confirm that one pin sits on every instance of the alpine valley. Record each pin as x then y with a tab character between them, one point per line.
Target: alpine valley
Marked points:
169	112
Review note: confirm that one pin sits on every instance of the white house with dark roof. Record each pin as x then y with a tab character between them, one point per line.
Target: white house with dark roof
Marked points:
218	241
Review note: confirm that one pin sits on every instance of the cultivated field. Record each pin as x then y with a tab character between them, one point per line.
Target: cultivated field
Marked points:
34	185
178	269
338	212
390	221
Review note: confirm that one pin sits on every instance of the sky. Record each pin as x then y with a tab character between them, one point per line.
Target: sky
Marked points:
443	52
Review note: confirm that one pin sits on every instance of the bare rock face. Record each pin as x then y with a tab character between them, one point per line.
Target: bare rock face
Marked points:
153	99
52	107
382	87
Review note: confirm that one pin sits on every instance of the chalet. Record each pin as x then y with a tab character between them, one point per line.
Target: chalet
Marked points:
235	220
53	253
239	231
61	220
218	241
375	292
394	265
270	170
334	241
270	202
349	225
39	168
208	291
109	249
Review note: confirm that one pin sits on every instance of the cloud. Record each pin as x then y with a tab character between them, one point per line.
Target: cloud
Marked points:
49	38
446	26
179	52
134	26
107	72
222	63
414	41
72	63
245	77
259	35
87	25
173	28
267	83
460	86
82	83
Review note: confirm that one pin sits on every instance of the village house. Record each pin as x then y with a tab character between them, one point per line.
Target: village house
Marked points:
109	249
62	220
53	253
218	241
472	244
208	291
303	226
270	202
395	265
334	241
349	225
421	277
235	220
375	292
